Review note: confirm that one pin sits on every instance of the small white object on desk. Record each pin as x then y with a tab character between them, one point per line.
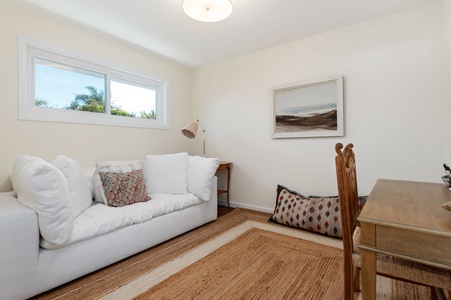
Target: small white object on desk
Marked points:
447	205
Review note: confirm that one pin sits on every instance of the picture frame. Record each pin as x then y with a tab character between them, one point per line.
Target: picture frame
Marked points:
312	108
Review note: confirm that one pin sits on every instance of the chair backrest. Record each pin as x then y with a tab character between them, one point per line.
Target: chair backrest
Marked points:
347	194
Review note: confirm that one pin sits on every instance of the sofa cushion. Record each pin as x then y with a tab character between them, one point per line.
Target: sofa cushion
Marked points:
100	219
167	173
79	191
316	214
115	167
122	189
201	171
89	174
140	164
42	187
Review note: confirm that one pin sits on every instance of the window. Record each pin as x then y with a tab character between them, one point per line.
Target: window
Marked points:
60	87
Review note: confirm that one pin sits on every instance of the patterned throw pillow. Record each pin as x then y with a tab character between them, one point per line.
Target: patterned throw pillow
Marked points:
124	188
317	214
115	167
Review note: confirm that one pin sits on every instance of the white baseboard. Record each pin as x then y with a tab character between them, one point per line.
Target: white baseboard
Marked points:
252	207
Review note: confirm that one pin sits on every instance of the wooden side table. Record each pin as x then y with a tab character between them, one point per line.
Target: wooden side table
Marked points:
225	166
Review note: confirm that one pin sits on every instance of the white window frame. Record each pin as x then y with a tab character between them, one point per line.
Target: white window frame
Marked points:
28	110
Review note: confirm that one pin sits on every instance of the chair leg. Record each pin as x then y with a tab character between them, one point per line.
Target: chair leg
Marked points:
439	294
434	295
348	281
357	279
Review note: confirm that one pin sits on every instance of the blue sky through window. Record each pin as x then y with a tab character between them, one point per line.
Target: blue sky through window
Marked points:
58	84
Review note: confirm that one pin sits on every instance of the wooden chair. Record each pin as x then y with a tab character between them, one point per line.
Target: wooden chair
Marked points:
395	268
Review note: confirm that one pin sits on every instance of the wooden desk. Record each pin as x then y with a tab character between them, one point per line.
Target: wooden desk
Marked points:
404	219
225	166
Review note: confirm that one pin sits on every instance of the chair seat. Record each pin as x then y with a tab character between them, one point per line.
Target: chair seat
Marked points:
405	269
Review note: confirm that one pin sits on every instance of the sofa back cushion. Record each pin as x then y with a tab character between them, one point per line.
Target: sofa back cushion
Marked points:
79	190
167	173
42	187
201	171
89	174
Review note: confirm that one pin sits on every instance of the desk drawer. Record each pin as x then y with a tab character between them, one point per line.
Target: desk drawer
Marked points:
424	247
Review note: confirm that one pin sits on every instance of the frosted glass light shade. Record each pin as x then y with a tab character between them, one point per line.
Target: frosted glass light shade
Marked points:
208	10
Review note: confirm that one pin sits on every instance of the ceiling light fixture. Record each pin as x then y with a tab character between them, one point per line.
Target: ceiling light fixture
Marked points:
208	10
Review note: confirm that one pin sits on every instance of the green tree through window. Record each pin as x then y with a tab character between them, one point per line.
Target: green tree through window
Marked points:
94	102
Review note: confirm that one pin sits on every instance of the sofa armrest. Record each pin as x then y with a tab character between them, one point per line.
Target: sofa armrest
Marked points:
19	245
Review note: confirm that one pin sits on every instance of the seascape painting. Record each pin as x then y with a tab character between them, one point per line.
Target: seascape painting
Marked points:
310	109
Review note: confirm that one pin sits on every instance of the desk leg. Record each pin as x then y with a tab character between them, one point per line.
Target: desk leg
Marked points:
368	274
228	186
368	267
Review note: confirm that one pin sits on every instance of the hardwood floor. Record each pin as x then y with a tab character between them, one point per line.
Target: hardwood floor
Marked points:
223	210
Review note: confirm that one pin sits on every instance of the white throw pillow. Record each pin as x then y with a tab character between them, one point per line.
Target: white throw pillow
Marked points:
167	173
79	191
115	163
42	187
89	174
116	167
200	175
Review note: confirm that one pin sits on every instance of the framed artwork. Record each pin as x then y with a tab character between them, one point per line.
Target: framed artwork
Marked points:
309	109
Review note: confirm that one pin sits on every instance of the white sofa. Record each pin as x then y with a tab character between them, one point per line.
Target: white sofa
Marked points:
27	268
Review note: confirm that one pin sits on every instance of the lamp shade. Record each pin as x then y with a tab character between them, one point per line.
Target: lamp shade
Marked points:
190	130
208	10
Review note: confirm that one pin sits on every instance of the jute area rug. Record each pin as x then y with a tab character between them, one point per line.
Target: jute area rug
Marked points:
239	256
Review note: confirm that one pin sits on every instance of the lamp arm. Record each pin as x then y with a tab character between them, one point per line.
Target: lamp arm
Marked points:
203	136
202	127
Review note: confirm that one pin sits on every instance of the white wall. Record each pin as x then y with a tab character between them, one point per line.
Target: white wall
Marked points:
447	34
394	102
86	143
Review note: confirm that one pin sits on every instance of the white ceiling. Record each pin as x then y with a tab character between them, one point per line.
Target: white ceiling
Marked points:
162	27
